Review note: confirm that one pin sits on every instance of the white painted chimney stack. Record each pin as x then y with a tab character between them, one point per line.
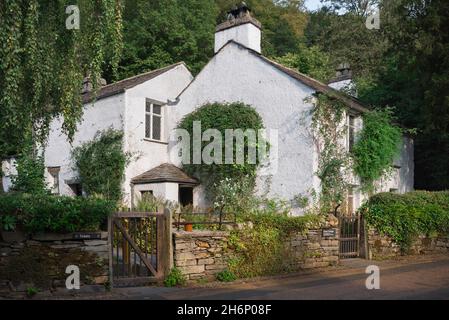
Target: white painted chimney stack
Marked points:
241	27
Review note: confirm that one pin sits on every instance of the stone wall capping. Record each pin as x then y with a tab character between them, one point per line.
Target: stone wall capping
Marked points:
201	233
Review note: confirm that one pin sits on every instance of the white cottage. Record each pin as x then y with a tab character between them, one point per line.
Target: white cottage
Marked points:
149	106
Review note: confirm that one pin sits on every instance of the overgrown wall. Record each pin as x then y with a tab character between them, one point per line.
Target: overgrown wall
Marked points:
203	254
40	262
383	247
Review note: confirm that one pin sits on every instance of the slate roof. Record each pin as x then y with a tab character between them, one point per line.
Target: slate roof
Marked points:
121	86
164	173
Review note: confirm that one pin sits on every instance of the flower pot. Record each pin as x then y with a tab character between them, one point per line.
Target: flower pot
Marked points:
13	236
188	227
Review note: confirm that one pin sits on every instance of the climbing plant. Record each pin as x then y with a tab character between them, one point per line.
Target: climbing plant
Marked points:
43	63
327	131
378	144
101	164
222	117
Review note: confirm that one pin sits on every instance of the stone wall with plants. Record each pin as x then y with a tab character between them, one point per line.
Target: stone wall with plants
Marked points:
200	254
412	223
38	264
264	246
384	247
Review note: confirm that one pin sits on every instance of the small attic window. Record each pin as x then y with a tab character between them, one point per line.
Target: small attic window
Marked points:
153	120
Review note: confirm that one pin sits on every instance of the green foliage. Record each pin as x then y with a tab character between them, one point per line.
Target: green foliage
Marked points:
377	146
101	164
49	213
30	173
175	278
327	133
162	32
404	217
32	291
226	276
221	117
43	65
8	222
310	61
261	248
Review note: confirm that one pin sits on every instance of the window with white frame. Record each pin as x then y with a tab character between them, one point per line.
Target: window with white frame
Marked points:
350	132
153	120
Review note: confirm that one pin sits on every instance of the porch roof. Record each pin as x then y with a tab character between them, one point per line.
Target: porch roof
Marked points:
166	172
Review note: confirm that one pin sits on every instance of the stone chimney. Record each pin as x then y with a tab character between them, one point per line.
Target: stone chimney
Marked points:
343	79
241	27
88	85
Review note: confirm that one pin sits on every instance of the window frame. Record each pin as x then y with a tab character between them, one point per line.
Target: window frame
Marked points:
151	114
350	131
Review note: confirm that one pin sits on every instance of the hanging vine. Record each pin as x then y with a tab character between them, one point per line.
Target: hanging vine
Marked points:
328	132
42	64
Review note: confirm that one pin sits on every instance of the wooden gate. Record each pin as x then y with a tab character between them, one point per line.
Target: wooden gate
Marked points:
349	236
139	247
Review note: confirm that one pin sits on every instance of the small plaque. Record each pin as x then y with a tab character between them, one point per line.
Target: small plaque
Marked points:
87	236
329	232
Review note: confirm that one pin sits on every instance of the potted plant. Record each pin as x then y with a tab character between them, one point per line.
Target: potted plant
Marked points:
9	230
188	227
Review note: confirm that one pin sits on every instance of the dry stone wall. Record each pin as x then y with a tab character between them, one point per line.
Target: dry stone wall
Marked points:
383	247
40	261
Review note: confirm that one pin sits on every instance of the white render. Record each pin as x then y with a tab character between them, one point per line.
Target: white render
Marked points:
247	34
124	111
236	73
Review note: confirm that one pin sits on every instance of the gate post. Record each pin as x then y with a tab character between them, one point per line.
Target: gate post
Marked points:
110	246
165	248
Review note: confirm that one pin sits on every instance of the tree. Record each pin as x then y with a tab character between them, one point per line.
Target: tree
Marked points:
162	32
310	61
42	64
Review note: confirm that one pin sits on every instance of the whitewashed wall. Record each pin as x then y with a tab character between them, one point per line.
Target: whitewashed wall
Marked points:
235	74
149	154
103	114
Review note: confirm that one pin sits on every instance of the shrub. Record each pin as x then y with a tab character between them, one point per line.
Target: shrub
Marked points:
261	248
50	213
406	216
226	276
175	278
222	117
101	164
377	146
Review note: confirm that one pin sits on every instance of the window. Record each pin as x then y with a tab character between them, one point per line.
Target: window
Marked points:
350	132
54	173
153	120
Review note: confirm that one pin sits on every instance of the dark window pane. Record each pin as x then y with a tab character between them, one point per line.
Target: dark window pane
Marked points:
148	107
157	109
156	128
148	126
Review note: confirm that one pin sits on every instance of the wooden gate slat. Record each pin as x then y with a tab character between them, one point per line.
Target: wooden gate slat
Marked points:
135	247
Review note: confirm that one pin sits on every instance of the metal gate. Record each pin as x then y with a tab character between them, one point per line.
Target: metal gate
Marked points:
139	247
349	236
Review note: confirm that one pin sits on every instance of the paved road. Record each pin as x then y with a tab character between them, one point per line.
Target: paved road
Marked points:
425	277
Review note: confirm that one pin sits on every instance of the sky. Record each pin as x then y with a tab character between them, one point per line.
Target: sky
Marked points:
313	4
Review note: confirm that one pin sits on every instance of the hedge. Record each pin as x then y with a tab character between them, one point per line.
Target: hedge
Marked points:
403	217
51	213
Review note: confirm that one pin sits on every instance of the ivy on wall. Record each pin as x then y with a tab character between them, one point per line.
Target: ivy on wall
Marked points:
333	162
219	116
376	147
101	164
